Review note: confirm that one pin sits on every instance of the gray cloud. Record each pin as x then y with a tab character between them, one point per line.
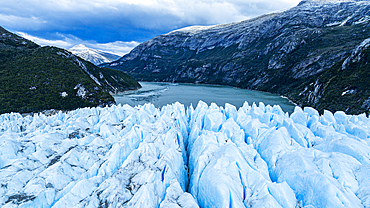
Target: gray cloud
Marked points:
118	47
61	42
67	22
145	14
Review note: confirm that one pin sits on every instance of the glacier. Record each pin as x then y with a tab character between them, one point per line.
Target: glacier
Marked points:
207	156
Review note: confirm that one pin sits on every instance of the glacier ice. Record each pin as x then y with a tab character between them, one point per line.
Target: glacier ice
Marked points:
207	156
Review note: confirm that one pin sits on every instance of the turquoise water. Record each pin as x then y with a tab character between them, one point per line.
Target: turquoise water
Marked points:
166	93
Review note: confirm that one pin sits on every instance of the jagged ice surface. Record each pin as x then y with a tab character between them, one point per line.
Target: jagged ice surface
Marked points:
210	156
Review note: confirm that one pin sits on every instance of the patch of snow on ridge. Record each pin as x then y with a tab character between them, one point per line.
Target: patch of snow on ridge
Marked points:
364	19
324	1
81	91
356	53
208	156
193	29
84	68
63	94
198	29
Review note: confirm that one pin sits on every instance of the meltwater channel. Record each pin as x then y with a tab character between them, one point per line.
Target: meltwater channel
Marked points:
161	94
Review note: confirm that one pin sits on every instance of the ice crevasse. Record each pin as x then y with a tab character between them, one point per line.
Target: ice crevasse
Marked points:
208	156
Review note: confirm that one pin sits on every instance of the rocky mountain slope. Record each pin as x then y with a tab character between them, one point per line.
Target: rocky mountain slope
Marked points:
94	56
293	53
35	78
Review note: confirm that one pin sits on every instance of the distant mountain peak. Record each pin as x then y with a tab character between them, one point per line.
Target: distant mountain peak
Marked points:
94	56
80	46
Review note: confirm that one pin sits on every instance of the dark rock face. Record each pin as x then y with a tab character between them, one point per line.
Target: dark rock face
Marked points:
288	53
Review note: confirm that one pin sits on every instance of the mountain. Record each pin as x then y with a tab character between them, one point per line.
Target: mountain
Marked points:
173	157
294	53
94	56
35	78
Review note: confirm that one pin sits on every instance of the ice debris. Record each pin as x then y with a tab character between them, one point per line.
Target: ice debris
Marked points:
208	156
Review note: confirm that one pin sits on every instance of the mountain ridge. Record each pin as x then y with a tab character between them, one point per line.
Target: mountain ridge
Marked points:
92	55
278	53
36	78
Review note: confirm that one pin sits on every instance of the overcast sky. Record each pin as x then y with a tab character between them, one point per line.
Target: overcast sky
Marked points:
119	25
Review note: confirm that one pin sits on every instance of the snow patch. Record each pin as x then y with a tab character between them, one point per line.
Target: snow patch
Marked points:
348	92
63	94
84	68
81	91
356	53
364	19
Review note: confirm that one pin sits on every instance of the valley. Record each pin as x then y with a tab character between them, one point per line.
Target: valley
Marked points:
297	53
272	111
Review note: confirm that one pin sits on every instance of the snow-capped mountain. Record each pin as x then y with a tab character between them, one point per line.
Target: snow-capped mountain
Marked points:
94	56
209	157
295	53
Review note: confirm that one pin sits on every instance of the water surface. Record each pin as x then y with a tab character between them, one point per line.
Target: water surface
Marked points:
166	93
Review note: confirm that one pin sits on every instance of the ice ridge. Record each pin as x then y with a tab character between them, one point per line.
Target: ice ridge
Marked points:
208	156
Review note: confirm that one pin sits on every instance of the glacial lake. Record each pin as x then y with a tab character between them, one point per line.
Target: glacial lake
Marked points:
161	94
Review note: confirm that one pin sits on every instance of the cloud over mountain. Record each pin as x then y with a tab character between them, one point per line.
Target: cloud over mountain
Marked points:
67	41
126	20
